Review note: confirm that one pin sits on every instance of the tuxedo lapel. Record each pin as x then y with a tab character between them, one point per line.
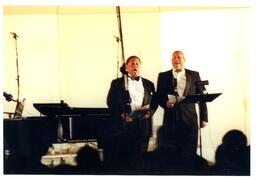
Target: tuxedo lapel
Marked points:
188	82
147	91
168	81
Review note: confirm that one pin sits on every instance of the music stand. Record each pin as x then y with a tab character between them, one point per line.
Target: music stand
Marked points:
56	111
200	98
52	109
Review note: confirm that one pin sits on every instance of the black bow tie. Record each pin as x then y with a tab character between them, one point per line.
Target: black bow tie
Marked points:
177	70
135	78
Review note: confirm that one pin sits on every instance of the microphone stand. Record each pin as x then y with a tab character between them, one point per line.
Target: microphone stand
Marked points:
9	97
200	85
15	36
117	62
127	100
20	104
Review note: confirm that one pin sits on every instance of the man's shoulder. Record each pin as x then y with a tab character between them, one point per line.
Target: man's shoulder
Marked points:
146	80
117	81
191	71
164	73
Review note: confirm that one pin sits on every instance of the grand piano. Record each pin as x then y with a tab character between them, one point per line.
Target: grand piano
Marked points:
57	123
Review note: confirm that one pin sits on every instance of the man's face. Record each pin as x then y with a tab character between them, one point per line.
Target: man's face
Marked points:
178	60
133	67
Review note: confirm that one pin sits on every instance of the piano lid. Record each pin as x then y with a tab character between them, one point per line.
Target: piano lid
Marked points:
90	111
55	109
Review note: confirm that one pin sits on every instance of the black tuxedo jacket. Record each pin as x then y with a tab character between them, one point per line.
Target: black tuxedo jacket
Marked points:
116	102
182	112
181	121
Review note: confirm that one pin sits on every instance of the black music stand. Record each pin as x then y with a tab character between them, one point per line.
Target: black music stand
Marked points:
56	111
52	109
200	98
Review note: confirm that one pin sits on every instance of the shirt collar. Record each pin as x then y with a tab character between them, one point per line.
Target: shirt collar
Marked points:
178	70
134	78
180	73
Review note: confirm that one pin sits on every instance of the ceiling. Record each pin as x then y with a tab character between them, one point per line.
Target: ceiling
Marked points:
14	10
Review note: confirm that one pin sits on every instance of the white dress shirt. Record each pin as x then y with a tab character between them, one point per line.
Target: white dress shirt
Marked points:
181	81
136	91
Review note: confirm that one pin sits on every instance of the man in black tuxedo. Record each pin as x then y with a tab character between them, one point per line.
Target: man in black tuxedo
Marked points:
131	133
180	120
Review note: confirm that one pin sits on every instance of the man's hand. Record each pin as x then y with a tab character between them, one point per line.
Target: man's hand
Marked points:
203	124
126	118
146	115
169	104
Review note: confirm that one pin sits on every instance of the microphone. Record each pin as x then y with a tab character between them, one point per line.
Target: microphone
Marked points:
202	83
174	97
14	35
174	85
8	97
123	69
117	38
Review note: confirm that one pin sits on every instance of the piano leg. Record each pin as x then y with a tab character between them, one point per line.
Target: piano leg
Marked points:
59	131
70	128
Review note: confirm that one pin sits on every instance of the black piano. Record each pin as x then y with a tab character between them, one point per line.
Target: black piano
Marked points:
75	123
57	123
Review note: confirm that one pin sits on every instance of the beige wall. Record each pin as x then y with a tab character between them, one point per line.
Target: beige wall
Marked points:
74	57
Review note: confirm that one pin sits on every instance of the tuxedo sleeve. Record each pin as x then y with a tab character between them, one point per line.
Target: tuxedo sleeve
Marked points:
153	103
113	97
161	94
203	106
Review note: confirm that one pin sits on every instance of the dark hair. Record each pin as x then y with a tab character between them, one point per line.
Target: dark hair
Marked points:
132	57
235	138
